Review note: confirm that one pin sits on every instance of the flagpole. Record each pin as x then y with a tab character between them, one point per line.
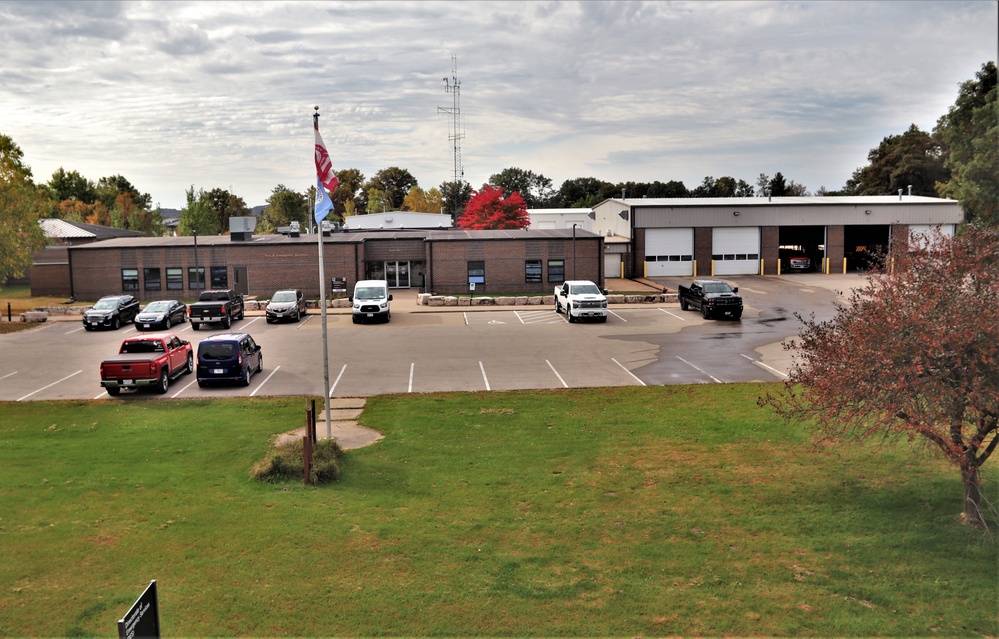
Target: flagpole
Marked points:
322	305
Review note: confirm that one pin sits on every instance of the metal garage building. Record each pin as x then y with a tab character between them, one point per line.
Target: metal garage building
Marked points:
748	236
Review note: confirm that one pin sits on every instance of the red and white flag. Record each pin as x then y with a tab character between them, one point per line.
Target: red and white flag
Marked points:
324	166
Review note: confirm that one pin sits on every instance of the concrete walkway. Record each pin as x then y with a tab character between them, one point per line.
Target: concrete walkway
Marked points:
344	428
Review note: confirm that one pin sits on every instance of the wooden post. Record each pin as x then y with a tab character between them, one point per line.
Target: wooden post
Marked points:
307	457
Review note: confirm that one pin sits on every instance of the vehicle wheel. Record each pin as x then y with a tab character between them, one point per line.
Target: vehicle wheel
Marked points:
357	320
705	313
201	384
183	318
167	324
270	321
568	313
113	391
260	363
87	327
558	307
227	322
116	324
603	320
683	304
190	364
163	383
242	313
737	317
246	378
194	326
298	316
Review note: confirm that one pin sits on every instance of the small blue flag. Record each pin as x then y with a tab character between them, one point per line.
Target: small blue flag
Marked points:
323	202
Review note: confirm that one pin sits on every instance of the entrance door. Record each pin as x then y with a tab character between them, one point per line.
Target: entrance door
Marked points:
240	285
397	274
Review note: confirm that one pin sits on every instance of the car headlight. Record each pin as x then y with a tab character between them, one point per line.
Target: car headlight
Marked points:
383	305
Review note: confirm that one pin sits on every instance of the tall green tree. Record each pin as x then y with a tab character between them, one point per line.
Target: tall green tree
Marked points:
347	197
285	206
970	130
581	192
535	188
70	185
456	196
914	158
110	187
394	183
22	204
225	205
197	215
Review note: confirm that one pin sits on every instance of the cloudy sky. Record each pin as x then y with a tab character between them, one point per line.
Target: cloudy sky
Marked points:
221	94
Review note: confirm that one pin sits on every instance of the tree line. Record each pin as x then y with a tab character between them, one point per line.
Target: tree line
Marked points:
959	159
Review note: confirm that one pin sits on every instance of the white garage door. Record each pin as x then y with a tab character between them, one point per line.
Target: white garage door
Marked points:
927	232
736	251
669	252
612	265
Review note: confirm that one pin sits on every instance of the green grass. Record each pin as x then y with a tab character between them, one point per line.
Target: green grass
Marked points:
636	511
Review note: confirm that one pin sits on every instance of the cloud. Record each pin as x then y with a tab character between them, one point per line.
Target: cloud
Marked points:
221	94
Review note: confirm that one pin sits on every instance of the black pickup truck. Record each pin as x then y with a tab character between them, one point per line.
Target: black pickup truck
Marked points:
714	298
221	305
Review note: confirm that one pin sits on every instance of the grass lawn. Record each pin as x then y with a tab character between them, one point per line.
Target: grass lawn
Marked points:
604	512
18	299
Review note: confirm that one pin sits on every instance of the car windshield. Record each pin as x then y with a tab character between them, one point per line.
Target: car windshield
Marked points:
584	289
369	293
284	296
157	307
717	287
210	350
106	304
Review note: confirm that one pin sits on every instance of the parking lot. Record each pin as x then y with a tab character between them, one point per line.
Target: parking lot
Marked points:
427	349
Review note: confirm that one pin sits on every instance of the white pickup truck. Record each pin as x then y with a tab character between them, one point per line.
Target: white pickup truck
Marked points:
580	299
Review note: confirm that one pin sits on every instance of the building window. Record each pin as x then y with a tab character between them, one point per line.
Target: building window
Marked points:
175	279
220	277
532	271
196	278
556	271
151	279
476	272
129	279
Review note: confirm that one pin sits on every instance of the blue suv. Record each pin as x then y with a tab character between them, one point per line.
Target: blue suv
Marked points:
228	357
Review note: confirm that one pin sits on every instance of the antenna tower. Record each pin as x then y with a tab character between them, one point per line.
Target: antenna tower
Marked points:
453	86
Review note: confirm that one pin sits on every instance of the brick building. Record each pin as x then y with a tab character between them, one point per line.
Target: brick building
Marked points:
439	261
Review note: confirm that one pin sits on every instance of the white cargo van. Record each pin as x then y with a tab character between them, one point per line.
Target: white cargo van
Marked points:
370	301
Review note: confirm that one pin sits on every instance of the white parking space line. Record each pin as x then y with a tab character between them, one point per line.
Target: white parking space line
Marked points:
546	316
8	375
250	322
189	384
75	330
618	316
672	314
412	367
564	385
101	395
465	315
769	368
700	370
302	321
484	378
337	380
627	371
261	385
58	381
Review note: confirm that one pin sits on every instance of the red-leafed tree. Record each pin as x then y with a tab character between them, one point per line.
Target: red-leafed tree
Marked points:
489	208
911	355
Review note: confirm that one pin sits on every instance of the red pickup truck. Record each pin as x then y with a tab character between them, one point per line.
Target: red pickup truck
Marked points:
149	360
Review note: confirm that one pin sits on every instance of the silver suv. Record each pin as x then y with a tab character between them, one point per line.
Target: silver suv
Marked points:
287	304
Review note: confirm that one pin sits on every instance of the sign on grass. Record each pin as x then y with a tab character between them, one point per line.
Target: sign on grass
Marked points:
143	618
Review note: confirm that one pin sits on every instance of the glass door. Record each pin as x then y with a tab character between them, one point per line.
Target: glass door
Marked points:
397	274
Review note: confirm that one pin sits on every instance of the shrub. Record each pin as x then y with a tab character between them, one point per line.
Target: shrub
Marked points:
285	462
